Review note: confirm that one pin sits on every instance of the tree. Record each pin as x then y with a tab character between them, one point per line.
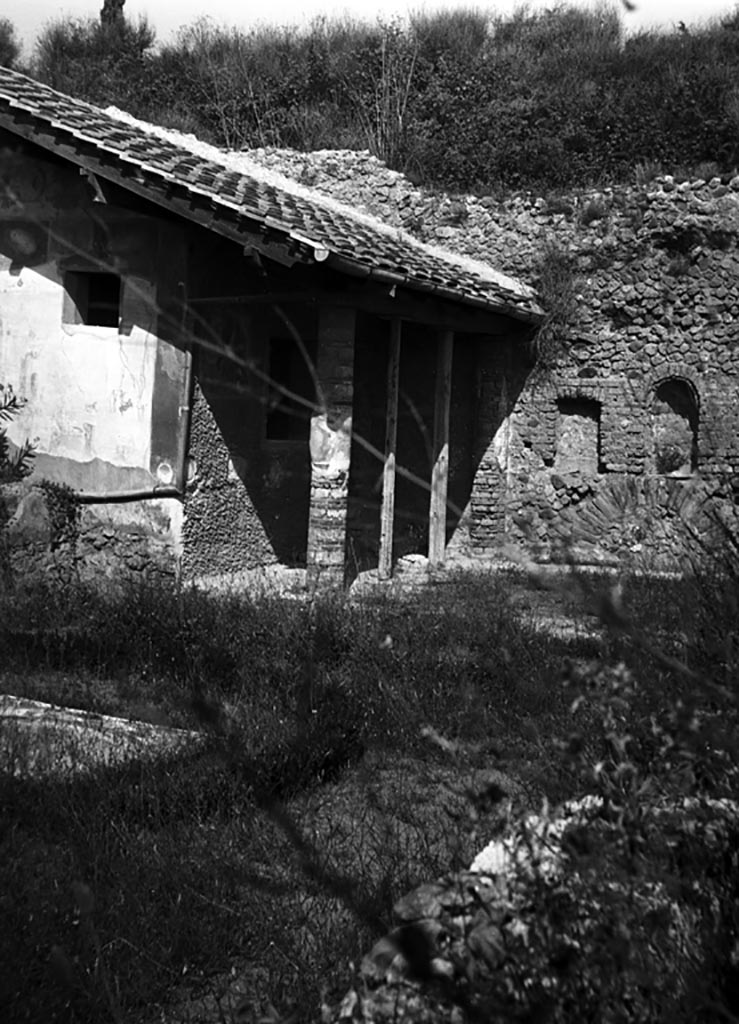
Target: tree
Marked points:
10	49
112	12
102	62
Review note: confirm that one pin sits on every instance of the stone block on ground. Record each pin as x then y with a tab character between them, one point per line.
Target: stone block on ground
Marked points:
39	739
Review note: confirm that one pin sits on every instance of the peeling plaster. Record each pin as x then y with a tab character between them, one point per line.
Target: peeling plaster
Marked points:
330	447
89	390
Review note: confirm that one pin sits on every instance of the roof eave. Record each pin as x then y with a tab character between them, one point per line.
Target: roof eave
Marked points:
531	313
285	244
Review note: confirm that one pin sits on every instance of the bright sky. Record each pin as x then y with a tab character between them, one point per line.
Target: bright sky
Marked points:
167	15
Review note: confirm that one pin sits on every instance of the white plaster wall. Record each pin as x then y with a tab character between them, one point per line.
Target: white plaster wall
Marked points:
88	390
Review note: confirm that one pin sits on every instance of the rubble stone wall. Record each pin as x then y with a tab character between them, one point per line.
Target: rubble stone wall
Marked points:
46	534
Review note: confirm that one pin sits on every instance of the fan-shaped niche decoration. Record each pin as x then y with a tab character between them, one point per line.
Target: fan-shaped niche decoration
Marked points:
23	242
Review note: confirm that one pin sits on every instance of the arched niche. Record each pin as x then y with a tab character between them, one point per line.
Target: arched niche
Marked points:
675	421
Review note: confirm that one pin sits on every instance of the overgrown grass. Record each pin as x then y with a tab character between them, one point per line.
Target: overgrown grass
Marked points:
455	659
275	848
190	877
184	856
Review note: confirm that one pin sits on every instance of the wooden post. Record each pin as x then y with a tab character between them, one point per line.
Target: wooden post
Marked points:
387	515
440	470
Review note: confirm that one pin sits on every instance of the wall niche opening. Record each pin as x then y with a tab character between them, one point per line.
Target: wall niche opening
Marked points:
92	298
675	420
578	442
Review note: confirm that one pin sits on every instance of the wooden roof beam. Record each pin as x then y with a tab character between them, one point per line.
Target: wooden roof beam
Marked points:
408	307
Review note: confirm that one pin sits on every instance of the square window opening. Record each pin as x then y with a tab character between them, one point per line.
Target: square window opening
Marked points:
92	298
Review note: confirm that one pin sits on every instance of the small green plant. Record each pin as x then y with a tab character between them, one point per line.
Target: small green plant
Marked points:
670	457
679	266
559	205
645	171
557	285
706	170
592	210
63	508
456	214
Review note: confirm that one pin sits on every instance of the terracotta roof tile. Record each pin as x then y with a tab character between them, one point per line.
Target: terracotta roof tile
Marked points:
113	146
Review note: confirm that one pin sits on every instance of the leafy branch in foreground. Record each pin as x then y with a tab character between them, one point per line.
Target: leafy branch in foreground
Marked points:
15	462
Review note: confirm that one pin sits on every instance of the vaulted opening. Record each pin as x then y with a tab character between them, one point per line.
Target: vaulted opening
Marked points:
675	420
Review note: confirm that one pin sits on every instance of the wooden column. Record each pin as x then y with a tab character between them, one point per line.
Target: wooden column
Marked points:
387	515
440	469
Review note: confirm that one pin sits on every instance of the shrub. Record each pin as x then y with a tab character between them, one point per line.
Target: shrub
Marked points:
104	63
537	100
556	284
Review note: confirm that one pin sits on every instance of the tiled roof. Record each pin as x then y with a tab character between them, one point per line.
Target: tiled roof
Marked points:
251	207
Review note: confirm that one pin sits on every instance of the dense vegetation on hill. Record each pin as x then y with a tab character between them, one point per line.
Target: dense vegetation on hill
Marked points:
460	99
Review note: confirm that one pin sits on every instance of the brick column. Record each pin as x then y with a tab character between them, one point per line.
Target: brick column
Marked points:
330	447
